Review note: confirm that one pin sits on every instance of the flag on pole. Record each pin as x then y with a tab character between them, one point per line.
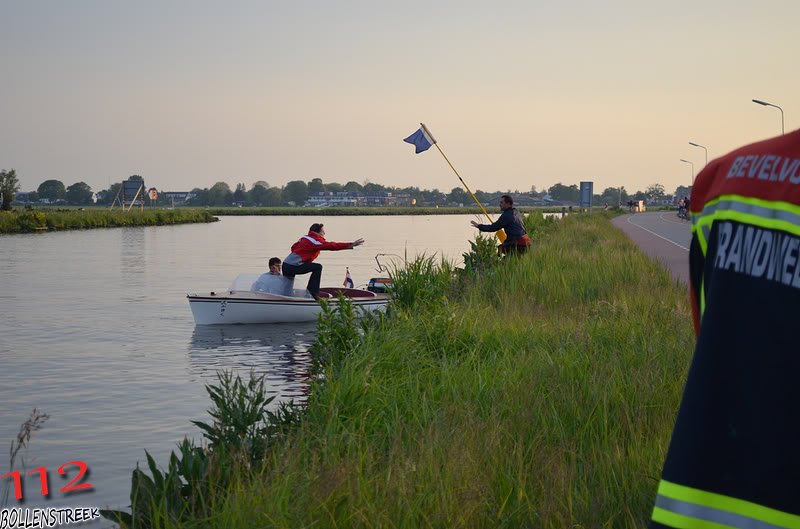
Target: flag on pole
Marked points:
421	140
348	281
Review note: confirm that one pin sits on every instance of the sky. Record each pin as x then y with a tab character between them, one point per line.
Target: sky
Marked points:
517	94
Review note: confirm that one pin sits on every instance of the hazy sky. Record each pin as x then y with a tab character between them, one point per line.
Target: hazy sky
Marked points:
188	93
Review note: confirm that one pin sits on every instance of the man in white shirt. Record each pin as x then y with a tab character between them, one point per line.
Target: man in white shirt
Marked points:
273	282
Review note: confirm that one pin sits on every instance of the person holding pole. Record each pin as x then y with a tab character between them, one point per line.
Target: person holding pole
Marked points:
422	140
511	221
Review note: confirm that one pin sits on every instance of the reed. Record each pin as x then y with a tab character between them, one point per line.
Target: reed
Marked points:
25	221
539	393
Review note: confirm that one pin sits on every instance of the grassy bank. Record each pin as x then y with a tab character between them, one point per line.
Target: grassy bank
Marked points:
537	393
23	221
358	211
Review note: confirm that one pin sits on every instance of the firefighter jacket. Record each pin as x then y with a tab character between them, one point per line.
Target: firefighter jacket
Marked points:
734	456
307	248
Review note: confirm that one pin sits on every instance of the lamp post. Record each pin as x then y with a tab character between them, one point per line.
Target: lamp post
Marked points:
702	147
690	163
783	131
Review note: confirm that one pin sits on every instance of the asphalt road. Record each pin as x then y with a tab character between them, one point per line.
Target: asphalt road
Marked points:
662	236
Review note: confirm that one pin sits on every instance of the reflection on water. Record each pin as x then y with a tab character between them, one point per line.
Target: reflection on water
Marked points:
277	351
133	264
95	330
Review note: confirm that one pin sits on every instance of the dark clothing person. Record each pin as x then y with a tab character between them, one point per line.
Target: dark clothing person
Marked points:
291	270
733	459
517	240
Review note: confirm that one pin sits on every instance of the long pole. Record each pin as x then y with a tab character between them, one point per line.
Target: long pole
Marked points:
500	234
692	164
702	147
766	104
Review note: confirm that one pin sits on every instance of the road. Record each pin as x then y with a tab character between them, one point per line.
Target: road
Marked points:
662	236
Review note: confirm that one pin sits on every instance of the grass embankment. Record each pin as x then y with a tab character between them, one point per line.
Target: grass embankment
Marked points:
541	393
357	211
22	221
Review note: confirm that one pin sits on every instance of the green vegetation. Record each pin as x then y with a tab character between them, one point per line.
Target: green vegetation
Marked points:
28	220
379	210
537	391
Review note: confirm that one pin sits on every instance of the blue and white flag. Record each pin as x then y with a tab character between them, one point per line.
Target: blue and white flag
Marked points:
421	140
348	281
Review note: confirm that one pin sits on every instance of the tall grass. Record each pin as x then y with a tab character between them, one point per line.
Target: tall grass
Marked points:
22	221
539	394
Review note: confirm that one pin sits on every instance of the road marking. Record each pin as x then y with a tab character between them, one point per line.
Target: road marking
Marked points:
684	222
657	235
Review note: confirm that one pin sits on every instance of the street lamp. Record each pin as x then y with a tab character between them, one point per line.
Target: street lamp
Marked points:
690	163
698	145
783	131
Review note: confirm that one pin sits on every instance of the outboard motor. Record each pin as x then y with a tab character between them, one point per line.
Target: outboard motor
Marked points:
379	285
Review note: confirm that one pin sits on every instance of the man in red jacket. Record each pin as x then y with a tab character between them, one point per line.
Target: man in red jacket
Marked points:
306	249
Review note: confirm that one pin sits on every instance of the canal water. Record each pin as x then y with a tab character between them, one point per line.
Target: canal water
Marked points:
96	332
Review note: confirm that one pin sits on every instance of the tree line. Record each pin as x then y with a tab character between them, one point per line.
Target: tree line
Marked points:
297	193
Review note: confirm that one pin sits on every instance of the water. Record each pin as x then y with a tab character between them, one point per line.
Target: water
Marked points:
95	331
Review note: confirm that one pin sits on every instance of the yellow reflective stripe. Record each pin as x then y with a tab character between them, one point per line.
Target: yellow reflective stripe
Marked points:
782	215
752	219
760	202
729	504
680	521
702	296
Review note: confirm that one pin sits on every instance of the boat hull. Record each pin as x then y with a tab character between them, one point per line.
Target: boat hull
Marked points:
252	307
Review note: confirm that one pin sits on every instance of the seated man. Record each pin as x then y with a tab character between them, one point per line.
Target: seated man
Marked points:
273	282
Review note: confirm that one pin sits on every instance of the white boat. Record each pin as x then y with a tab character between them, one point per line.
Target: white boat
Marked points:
239	304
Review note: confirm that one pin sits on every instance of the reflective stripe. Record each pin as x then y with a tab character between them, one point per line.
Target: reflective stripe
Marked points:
312	239
764	213
708	514
702	506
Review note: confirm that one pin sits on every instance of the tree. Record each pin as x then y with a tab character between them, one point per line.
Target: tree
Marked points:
33	196
458	196
369	187
612	196
353	187
261	183
110	194
334	187
273	197
654	192
51	190
9	185
296	191
564	193
316	186
258	194
240	195
136	177
79	194
199	197
220	195
533	190
682	191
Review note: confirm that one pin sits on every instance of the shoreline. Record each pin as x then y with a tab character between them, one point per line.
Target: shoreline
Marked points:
21	221
540	392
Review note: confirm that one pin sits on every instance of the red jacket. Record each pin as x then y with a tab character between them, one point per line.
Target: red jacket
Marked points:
309	246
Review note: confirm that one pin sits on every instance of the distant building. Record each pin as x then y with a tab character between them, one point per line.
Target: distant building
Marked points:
175	197
386	199
330	198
